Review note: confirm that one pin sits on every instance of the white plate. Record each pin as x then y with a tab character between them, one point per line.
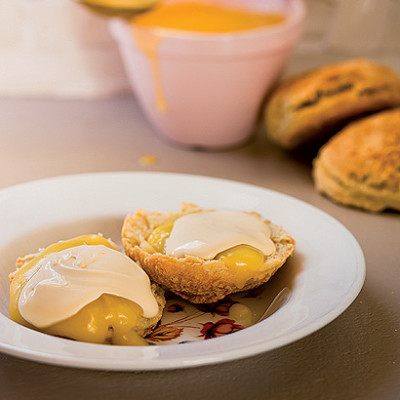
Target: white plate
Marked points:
324	277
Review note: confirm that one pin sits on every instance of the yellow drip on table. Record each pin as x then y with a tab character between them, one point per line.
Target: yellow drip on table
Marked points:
192	17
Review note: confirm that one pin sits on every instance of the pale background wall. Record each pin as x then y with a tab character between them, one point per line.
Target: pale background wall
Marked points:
360	27
56	48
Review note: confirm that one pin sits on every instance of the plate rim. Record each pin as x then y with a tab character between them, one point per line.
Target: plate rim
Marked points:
231	354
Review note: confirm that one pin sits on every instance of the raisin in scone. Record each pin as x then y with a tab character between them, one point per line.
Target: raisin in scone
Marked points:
204	255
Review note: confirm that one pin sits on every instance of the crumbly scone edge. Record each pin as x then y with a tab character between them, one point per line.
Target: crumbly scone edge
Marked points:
193	278
360	166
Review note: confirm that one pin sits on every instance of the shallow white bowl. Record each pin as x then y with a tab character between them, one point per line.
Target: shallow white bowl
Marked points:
328	268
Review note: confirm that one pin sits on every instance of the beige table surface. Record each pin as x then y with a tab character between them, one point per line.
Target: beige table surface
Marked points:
357	356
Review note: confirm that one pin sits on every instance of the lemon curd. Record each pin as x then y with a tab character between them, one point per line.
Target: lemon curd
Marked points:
108	319
203	17
241	241
84	289
241	257
194	17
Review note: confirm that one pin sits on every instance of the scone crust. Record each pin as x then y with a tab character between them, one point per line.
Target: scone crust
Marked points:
360	166
144	325
310	105
193	278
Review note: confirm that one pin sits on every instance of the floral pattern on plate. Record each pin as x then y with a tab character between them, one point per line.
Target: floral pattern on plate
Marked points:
184	322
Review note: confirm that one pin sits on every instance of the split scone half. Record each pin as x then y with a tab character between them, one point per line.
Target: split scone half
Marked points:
85	289
360	166
205	255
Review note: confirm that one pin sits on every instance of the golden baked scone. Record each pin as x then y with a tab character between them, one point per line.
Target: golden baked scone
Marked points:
194	278
311	105
360	166
143	326
85	289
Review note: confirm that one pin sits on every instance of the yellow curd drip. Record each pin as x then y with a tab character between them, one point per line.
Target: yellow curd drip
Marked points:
108	319
191	17
242	259
148	45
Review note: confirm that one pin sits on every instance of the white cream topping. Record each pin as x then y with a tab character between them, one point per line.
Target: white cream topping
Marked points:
207	234
69	279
